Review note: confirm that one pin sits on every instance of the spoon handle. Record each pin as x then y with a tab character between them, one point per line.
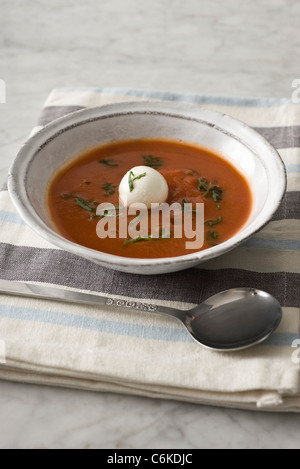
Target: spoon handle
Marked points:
45	292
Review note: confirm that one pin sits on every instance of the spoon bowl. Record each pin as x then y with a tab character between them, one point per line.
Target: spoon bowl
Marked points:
234	319
230	320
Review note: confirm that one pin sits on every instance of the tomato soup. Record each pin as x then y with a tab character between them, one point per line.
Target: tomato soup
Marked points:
193	175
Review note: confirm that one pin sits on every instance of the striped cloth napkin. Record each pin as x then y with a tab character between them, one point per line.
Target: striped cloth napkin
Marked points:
102	349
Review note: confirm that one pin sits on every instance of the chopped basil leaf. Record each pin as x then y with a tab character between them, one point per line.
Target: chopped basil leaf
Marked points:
109	188
108	213
212	236
163	234
152	161
213	222
191	172
84	204
202	184
108	162
137	239
214	191
185	201
131	179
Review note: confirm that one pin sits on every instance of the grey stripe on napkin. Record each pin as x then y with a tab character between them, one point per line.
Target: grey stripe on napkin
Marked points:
192	285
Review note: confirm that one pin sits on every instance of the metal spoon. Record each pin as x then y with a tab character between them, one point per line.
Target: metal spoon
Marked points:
231	320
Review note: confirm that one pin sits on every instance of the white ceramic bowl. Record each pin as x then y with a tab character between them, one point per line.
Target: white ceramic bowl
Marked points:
43	153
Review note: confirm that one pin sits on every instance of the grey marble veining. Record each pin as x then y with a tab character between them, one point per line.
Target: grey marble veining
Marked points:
208	47
43	417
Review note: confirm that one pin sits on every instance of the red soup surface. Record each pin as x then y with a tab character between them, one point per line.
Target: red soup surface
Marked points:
193	175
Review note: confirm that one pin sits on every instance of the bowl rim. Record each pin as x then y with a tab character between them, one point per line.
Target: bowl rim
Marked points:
19	167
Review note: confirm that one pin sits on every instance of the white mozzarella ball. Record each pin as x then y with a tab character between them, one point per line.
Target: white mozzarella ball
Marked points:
143	185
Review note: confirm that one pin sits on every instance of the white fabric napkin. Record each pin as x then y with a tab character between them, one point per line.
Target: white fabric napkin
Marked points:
101	349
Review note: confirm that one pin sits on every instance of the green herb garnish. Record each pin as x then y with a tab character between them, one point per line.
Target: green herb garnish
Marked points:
137	239
191	172
109	188
211	237
131	179
214	222
108	213
163	234
108	162
84	204
185	201
203	184
214	191
152	161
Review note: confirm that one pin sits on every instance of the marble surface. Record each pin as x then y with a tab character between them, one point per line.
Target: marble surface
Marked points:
210	47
